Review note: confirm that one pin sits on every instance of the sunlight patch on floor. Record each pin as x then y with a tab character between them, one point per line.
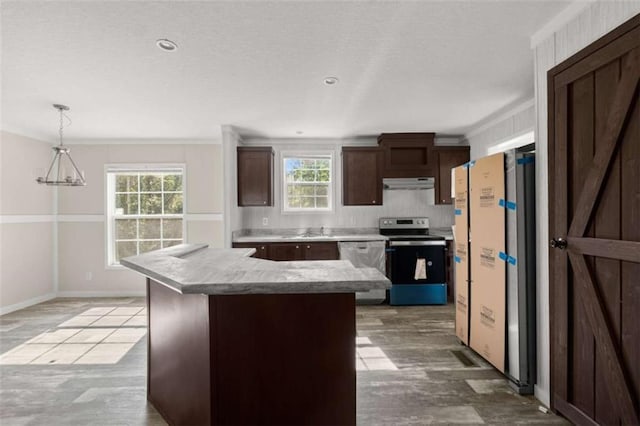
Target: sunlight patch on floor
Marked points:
101	335
370	358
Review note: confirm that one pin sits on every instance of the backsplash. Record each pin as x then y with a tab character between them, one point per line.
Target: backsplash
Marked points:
397	203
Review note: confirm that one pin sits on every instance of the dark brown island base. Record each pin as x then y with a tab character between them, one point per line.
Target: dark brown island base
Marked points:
236	340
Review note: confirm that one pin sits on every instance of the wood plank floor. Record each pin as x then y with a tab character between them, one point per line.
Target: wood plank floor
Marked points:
83	362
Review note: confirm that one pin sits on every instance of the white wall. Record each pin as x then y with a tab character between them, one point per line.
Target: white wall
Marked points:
81	211
27	223
580	26
498	129
396	203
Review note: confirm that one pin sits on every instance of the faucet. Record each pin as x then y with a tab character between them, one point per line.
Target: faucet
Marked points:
322	230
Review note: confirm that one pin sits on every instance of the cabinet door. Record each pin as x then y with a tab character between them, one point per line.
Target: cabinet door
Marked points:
408	155
361	180
448	158
320	251
262	250
286	251
255	176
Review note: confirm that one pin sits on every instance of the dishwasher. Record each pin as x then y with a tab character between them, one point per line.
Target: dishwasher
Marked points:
366	254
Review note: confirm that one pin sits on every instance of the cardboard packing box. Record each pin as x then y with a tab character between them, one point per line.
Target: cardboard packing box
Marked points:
487	259
460	256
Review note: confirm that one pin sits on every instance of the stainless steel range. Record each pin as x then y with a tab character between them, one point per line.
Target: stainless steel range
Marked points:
415	261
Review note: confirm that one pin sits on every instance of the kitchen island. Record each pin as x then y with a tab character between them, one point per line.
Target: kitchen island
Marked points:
238	340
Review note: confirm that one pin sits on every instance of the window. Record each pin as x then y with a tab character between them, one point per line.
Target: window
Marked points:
307	182
145	210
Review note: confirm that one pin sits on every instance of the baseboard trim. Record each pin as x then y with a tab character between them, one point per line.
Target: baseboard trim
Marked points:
27	303
542	395
66	294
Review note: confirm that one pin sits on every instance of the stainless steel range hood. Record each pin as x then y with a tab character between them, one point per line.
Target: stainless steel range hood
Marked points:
409	183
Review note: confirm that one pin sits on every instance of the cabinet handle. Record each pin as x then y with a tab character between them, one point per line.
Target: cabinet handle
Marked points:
308	247
262	248
264	202
297	246
373	202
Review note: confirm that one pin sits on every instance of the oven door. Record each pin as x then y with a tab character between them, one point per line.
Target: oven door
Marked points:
404	260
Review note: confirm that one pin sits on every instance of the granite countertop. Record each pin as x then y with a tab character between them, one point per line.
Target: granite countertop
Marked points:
275	238
197	269
289	235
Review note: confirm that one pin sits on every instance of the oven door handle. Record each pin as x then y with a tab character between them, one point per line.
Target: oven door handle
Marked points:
418	243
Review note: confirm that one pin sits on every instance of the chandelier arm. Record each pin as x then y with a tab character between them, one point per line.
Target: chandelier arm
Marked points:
59	157
81	177
53	162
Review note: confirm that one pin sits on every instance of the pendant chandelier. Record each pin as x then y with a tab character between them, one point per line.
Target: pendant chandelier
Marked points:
62	171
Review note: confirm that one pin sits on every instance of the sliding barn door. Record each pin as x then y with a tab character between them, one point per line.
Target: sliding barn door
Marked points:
594	177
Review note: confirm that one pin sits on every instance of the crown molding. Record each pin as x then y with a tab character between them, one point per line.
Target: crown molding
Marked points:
143	141
565	16
500	118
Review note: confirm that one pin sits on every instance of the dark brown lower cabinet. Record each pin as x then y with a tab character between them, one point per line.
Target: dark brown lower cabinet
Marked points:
262	250
293	251
285	251
259	359
320	251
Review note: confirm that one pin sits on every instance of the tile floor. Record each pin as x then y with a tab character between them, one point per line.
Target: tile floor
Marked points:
83	362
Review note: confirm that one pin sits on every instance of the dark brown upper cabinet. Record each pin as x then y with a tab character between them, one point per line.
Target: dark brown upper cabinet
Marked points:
255	176
408	155
448	158
361	176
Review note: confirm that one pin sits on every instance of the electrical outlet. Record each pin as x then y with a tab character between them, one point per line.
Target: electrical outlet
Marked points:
88	276
265	221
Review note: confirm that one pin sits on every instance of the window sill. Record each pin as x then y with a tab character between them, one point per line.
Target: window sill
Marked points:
116	267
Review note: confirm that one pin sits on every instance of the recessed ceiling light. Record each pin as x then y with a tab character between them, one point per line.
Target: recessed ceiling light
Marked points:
330	81
166	45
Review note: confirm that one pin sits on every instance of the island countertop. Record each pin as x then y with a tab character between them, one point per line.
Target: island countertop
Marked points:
198	269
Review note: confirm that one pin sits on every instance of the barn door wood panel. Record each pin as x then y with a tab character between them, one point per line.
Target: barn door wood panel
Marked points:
594	195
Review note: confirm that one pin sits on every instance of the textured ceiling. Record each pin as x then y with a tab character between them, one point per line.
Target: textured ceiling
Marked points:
403	66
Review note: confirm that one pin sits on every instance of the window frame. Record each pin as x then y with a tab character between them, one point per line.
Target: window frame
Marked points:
110	216
326	154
